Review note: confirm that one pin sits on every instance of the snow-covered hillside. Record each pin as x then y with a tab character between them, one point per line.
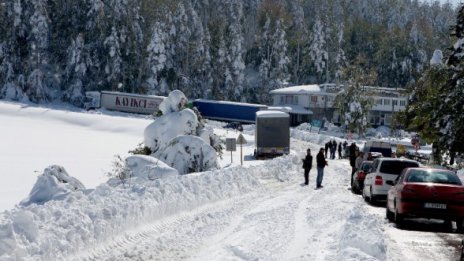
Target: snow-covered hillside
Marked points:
258	211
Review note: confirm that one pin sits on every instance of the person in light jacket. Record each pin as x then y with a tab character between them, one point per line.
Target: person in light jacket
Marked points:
321	163
307	165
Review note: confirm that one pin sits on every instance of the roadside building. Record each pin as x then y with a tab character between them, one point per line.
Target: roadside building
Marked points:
315	103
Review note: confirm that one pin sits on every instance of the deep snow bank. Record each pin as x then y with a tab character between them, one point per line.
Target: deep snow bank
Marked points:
60	228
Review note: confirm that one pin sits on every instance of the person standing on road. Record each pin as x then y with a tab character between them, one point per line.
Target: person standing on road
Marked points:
334	149
321	163
340	150
327	145
352	150
307	165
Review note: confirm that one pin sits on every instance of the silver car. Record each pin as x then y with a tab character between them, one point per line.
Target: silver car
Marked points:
384	169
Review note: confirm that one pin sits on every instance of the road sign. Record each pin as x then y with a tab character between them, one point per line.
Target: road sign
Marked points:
231	144
241	140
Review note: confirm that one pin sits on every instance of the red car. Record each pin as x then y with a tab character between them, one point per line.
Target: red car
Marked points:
359	176
426	193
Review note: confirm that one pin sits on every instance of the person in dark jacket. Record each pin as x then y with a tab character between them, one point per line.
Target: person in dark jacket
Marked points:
340	150
333	149
321	163
307	165
353	151
327	146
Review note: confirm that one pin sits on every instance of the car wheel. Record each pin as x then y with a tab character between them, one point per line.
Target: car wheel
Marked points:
399	219
448	224
460	225
364	196
372	198
389	214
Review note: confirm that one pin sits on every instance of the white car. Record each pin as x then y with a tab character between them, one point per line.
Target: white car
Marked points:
384	169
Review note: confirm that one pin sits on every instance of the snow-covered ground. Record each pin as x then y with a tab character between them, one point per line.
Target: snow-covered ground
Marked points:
258	211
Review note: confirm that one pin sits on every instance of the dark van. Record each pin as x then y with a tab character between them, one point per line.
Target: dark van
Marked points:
378	146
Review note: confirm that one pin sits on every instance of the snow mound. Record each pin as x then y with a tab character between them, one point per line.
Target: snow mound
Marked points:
149	168
188	154
54	183
62	229
175	101
362	246
169	126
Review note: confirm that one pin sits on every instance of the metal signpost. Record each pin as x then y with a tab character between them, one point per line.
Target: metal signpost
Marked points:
241	140
231	146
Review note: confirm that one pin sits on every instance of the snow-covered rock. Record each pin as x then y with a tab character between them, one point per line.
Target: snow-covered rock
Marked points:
175	102
188	154
147	167
169	126
54	183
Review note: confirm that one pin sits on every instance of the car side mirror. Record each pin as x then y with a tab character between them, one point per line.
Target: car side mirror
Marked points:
390	182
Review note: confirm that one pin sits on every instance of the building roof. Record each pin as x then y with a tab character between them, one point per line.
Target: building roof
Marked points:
300	89
292	109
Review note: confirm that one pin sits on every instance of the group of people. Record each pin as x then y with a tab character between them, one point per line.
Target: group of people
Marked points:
321	161
333	148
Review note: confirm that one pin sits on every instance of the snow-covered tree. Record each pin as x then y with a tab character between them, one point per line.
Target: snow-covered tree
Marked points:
354	102
318	48
280	58
157	58
449	117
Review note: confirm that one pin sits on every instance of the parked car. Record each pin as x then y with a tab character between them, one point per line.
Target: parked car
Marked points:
426	193
359	176
383	170
234	125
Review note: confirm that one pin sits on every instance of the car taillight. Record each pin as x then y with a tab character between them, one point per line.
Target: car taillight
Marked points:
361	175
378	181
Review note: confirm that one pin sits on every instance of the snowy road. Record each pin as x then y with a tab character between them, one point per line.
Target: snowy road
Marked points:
282	221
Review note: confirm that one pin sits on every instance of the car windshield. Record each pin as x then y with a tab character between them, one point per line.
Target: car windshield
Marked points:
434	176
395	167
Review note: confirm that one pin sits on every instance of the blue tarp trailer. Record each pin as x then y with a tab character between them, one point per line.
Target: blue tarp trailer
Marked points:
228	111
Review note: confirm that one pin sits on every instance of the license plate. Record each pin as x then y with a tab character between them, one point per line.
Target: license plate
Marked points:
435	205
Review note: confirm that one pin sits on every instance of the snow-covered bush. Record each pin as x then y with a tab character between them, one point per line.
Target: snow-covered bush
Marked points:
120	171
207	134
168	126
175	102
188	154
147	167
54	183
180	140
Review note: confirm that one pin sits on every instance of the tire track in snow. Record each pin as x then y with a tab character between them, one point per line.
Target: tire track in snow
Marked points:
173	237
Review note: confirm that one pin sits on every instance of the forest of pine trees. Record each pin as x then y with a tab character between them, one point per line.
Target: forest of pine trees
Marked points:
221	49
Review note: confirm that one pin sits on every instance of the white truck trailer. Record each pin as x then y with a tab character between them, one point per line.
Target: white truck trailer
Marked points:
126	102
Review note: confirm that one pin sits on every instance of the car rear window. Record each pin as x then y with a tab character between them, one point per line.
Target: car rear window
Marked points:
395	167
366	166
441	177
